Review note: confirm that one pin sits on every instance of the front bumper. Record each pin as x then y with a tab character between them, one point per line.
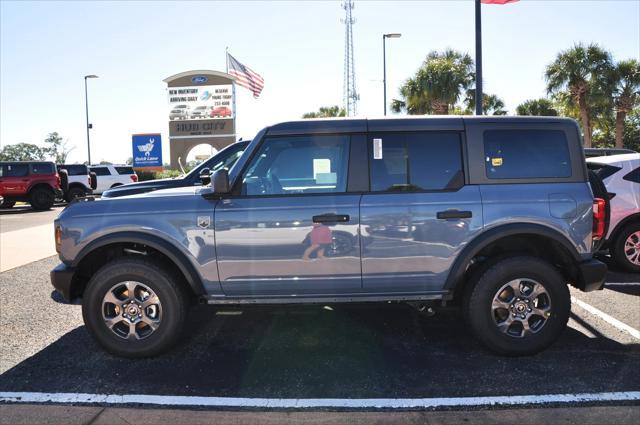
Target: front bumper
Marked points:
61	279
591	275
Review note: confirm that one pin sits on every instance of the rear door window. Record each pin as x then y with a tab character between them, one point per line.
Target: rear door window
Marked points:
42	168
520	154
633	176
101	171
75	169
124	170
416	161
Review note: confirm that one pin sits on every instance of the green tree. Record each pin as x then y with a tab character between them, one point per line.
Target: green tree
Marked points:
582	72
537	107
491	104
326	112
22	152
57	148
437	85
626	93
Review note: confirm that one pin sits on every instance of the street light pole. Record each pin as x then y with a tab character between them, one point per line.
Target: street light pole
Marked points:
384	65
478	58
86	105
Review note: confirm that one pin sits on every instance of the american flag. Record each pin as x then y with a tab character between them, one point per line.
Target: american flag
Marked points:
245	76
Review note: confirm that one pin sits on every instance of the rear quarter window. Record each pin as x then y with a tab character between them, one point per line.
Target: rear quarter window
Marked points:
521	154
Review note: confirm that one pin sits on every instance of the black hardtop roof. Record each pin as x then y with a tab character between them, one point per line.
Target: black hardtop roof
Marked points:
26	162
433	122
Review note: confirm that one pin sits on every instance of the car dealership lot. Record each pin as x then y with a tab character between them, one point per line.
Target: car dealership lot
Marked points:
340	351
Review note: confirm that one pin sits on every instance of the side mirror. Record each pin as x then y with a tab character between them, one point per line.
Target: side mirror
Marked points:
205	176
220	181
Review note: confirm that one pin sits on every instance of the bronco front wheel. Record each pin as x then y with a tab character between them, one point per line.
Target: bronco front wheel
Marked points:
134	307
518	306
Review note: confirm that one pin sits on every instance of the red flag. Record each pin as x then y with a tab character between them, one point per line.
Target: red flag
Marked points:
497	1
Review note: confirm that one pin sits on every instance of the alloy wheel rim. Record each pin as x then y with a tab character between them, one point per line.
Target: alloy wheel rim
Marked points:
632	248
131	310
521	307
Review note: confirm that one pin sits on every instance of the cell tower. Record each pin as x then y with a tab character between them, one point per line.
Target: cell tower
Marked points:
349	90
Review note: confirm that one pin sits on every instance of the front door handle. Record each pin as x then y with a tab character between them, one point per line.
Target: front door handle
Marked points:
449	214
331	218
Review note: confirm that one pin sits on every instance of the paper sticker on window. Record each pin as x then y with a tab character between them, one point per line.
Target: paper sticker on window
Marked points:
377	148
496	162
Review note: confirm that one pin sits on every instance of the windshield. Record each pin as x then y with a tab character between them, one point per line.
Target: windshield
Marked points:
226	158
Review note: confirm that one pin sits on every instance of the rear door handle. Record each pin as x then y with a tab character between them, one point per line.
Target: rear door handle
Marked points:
331	218
446	215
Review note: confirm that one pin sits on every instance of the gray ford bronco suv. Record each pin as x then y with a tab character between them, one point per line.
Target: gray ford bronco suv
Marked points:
494	215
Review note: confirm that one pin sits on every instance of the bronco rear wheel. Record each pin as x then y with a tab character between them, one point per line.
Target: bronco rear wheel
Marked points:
518	306
134	307
41	198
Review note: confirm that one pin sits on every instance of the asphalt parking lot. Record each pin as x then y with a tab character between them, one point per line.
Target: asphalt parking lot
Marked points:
339	351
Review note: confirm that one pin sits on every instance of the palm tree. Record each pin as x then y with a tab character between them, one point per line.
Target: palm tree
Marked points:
491	104
582	71
537	107
626	93
326	112
437	85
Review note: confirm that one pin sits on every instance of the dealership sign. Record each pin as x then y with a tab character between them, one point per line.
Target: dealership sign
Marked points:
200	102
147	150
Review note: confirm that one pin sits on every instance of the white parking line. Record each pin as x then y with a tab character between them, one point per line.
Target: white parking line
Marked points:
306	403
622	284
609	319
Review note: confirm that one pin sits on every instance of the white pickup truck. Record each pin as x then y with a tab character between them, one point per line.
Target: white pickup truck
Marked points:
110	176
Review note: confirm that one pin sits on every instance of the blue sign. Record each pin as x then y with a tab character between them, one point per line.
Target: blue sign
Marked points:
147	150
199	79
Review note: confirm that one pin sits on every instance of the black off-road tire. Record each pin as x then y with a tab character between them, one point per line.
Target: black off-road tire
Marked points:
485	284
618	248
165	284
74	192
41	198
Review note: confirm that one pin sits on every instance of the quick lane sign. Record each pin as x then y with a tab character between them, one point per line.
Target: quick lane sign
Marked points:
147	150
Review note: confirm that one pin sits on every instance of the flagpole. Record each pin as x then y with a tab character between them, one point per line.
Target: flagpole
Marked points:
478	58
226	58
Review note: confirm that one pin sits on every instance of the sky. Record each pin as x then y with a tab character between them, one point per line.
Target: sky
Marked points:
297	46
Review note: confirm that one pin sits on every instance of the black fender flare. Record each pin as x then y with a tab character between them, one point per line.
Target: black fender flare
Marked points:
166	248
481	241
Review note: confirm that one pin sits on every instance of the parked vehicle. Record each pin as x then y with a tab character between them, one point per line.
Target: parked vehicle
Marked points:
35	182
198	176
81	181
180	112
200	112
110	176
621	177
492	214
220	111
595	152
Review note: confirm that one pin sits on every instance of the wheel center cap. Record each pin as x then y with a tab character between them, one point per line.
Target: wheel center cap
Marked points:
520	307
132	310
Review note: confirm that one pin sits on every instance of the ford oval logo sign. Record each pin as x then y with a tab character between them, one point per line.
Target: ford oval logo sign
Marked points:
199	79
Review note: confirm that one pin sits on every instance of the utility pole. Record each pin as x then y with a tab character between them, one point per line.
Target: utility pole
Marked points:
384	65
86	105
479	95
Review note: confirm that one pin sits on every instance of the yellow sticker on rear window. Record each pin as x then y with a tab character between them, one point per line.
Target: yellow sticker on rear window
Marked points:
496	162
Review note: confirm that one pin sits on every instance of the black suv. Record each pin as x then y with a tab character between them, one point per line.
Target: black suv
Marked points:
199	175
